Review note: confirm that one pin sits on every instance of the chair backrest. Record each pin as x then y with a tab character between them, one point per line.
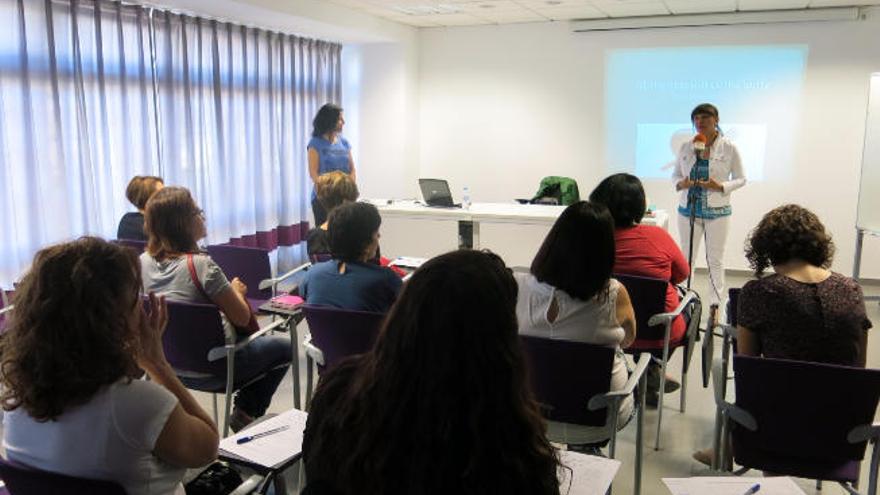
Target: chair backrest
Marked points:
22	480
138	246
193	330
803	410
648	296
732	305
340	333
250	264
566	375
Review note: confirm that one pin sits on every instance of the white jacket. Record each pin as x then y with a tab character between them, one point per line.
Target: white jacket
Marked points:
725	167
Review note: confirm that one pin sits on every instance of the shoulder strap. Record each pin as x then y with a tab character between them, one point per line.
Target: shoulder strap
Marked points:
192	274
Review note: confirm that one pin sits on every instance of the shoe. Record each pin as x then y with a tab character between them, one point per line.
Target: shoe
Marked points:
586	448
652	399
239	420
704	456
671	384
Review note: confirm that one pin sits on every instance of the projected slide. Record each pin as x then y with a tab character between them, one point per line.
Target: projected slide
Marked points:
651	92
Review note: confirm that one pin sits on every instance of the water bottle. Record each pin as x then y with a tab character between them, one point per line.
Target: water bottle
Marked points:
466	198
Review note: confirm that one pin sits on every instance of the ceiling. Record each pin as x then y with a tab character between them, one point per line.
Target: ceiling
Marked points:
433	13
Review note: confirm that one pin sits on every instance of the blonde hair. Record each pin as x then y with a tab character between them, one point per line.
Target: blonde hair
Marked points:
335	188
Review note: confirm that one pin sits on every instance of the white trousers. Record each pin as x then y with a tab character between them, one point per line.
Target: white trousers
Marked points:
714	232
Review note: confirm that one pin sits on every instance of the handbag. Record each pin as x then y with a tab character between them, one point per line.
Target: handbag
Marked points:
252	324
218	479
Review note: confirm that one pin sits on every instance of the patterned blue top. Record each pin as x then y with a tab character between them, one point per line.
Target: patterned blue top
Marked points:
700	171
331	156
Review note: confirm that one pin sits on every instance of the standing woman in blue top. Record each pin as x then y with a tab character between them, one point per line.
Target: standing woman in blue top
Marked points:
706	177
328	151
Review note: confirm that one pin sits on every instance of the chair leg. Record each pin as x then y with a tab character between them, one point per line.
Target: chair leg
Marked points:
310	378
640	425
230	383
819	485
216	419
684	385
294	363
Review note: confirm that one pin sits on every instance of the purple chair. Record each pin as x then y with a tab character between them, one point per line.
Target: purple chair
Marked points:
336	333
23	480
252	266
654	324
195	345
571	380
138	246
810	420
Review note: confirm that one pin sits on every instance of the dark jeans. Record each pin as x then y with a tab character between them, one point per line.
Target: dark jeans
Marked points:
269	354
320	213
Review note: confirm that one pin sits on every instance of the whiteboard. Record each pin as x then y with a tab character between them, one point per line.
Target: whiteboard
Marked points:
868	217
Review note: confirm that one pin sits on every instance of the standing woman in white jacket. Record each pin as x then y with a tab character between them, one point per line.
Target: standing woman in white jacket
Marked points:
705	179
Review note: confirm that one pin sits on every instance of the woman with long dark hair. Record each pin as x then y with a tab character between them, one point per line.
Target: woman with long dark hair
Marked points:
328	151
441	403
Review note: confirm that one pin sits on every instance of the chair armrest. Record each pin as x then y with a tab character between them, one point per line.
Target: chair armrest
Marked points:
220	352
737	414
312	351
863	433
604	400
273	282
249	485
662	318
6	309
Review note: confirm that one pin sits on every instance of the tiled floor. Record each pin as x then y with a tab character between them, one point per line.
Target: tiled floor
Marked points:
682	434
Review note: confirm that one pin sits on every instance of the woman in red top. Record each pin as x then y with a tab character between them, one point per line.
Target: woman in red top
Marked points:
645	251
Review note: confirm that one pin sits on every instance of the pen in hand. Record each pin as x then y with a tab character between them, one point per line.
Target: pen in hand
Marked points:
269	432
754	489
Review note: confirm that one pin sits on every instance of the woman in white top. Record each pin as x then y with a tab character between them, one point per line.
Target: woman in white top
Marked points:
707	170
569	295
71	359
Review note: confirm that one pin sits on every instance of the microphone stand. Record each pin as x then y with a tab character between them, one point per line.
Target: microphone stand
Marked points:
692	212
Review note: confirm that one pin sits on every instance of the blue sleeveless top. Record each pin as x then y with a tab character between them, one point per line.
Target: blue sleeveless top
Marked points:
331	156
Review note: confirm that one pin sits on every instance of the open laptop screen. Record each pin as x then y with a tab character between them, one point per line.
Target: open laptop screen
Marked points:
436	192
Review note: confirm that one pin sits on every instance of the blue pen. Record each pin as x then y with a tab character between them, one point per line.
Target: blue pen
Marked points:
754	489
265	433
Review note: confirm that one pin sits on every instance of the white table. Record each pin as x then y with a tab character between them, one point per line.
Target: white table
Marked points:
469	220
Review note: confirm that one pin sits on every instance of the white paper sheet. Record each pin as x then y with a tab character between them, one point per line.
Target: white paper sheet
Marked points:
408	261
271	449
589	475
731	485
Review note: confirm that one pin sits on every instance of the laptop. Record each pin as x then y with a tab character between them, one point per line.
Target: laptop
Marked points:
436	193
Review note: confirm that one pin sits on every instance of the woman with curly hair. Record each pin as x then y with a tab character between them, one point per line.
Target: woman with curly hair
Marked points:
441	404
77	343
803	311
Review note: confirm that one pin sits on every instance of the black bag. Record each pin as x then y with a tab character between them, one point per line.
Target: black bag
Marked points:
217	479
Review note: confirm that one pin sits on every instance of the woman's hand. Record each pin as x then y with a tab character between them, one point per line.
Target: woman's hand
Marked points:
711	184
150	330
239	286
685	183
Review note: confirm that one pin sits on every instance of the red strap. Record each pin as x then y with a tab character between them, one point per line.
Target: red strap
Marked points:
195	278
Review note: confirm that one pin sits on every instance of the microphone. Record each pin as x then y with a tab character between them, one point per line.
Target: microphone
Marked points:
700	142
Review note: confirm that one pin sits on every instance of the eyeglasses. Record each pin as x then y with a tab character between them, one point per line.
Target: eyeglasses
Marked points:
199	213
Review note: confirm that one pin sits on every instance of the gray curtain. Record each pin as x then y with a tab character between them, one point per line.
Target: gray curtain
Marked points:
221	109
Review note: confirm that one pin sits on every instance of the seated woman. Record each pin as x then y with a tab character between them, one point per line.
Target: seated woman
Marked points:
646	251
72	358
803	311
569	295
174	266
139	190
350	280
441	404
332	189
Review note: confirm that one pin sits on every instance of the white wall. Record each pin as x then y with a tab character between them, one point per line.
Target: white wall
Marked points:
502	106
